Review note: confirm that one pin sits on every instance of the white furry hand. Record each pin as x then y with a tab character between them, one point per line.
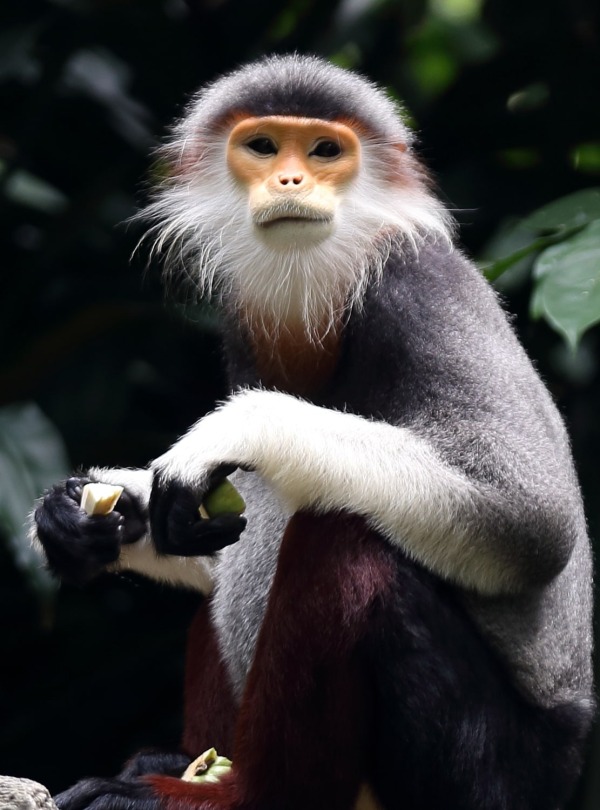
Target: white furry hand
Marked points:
230	436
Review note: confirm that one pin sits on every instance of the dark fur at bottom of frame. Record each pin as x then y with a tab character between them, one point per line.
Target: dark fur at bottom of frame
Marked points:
452	729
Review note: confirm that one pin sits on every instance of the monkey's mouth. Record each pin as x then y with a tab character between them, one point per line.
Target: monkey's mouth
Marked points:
293	220
291	213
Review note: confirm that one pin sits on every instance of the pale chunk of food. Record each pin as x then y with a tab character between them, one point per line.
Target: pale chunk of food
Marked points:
99	499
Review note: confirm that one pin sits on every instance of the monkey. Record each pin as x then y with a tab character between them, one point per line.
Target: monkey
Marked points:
402	617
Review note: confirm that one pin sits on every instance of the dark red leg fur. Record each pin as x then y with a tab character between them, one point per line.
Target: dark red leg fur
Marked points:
302	734
210	710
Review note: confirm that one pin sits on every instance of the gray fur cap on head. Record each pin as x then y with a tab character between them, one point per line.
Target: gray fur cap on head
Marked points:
305	86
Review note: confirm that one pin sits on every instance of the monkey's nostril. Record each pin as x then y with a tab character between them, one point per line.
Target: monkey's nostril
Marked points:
285	179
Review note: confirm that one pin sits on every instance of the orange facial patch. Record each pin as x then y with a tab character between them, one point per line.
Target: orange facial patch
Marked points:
303	160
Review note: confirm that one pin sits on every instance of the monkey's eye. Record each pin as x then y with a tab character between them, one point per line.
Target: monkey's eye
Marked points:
326	149
262	146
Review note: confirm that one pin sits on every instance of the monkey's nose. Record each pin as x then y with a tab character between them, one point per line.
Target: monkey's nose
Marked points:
293	178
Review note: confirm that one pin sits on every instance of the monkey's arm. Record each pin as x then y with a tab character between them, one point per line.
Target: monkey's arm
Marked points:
78	547
479	535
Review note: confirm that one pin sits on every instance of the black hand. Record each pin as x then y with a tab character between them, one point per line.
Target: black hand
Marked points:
79	546
177	527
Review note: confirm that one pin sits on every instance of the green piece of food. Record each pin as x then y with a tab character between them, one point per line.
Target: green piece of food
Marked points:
223	499
209	767
216	772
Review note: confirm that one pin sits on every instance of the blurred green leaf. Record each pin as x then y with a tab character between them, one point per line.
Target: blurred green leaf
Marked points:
586	158
24	188
529	98
555	223
567	290
458	10
102	76
432	62
574	210
520	158
17	49
507	257
497	269
32	456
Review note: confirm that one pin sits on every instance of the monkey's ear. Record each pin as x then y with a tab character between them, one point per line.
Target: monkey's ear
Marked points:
183	164
166	167
174	161
398	164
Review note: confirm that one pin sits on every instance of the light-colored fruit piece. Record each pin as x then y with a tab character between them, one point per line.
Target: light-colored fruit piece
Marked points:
99	499
224	499
209	767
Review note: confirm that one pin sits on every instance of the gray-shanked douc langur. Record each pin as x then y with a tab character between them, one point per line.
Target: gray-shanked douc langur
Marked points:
405	620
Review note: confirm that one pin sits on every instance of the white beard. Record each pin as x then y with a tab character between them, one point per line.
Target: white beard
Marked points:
292	274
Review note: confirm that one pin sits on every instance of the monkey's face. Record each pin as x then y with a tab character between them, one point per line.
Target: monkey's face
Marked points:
294	171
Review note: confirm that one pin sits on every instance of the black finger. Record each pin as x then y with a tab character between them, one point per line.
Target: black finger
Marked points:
205	537
74	487
135	518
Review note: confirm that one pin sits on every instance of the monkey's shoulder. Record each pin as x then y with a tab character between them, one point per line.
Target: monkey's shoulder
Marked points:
432	314
435	280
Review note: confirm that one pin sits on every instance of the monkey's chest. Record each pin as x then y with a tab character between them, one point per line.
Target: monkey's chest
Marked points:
292	360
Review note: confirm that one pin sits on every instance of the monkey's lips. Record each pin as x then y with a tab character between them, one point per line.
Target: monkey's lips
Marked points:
294	221
293	215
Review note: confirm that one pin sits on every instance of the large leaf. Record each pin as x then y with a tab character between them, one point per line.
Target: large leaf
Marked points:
572	211
32	456
508	256
567	279
25	189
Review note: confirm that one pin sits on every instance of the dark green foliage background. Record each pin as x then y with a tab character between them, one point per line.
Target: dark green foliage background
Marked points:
504	95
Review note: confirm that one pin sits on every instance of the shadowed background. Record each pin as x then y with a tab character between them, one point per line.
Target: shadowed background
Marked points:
97	368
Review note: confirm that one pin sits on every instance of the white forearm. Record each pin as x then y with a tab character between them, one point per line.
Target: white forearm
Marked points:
181	572
329	460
